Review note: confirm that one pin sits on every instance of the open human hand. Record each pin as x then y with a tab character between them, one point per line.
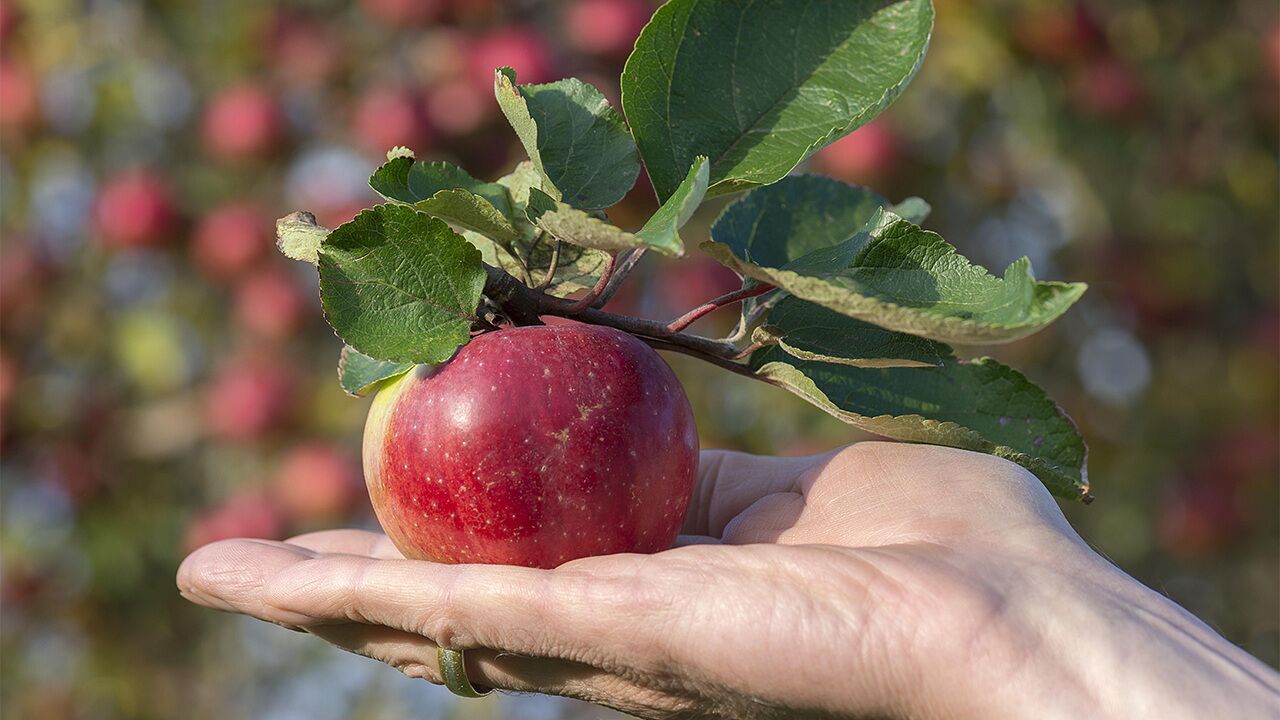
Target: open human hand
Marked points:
878	580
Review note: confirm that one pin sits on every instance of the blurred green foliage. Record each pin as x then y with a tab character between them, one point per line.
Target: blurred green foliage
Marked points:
166	380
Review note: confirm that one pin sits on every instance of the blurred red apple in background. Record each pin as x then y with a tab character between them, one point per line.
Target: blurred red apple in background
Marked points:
269	303
135	209
19	100
249	513
230	238
397	14
866	155
606	27
317	483
533	446
517	46
1107	88
1271	52
247	399
460	106
242	122
10	16
303	50
439	54
387	116
1056	33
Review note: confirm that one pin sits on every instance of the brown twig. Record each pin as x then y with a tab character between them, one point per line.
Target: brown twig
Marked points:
552	267
602	282
524	305
621	270
711	306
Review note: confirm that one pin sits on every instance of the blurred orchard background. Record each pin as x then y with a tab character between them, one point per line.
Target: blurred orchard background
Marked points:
167	380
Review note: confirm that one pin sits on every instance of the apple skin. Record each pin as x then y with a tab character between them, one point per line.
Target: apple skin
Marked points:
533	446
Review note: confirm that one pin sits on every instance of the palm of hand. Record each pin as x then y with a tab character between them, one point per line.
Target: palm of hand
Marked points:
857	571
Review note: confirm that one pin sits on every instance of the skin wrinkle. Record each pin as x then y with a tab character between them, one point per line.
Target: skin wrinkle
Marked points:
986	622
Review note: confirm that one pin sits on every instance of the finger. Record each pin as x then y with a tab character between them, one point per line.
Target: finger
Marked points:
229	575
348	542
768	520
685	540
729	482
416	656
597	612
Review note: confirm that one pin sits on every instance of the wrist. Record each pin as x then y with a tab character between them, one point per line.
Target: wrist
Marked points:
1083	639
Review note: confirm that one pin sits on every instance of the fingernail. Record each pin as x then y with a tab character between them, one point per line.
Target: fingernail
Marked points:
209	601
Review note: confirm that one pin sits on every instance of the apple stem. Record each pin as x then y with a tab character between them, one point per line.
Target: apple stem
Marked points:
618	273
712	305
589	299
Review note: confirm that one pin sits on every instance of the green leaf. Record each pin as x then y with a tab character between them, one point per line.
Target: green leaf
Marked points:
449	193
577	227
778	224
299	237
400	285
892	274
812	332
758	87
359	374
913	209
575	139
518	183
979	405
577	268
661	229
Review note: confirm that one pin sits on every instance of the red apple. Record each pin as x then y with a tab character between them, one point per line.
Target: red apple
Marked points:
401	13
135	209
459	106
8	378
317	483
1056	33
1198	520
865	155
10	16
249	513
387	116
19	104
533	446
269	303
606	27
304	51
247	399
439	54
242	122
1271	52
230	239
514	46
1107	88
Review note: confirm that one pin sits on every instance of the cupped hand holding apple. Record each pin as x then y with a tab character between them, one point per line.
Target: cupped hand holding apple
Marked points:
881	580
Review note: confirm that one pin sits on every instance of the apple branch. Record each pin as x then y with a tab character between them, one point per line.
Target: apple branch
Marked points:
589	299
552	267
621	270
524	305
714	304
